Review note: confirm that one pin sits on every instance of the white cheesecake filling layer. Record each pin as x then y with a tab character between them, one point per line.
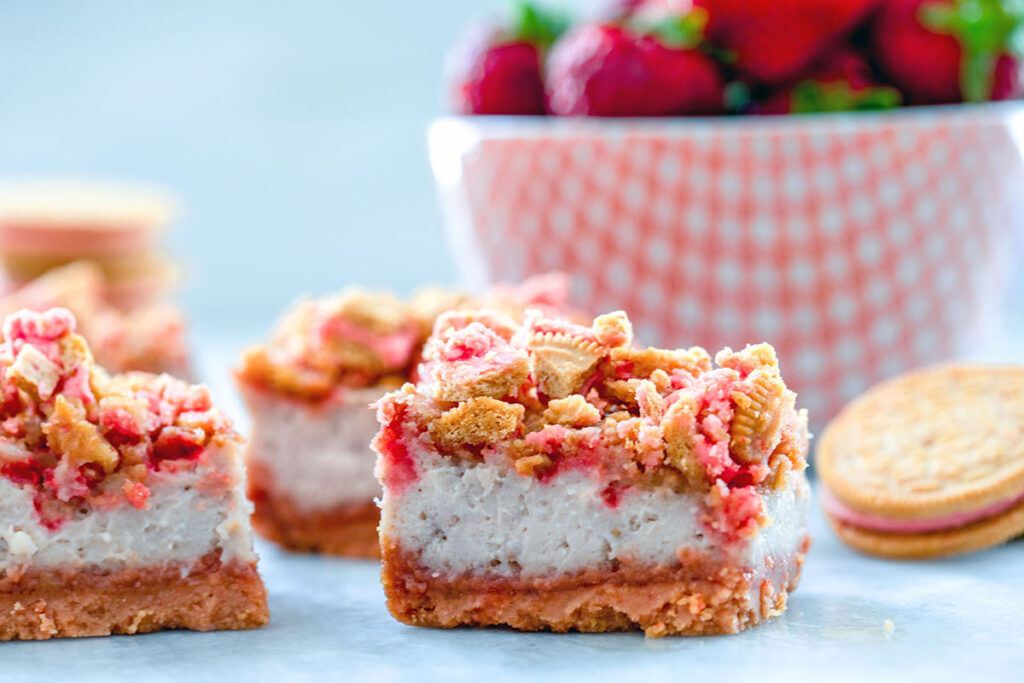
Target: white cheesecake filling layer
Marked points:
319	456
183	522
483	517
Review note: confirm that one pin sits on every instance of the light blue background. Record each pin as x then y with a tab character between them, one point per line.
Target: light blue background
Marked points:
294	133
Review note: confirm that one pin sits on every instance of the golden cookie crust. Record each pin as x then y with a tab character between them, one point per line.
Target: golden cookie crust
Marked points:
930	443
981	535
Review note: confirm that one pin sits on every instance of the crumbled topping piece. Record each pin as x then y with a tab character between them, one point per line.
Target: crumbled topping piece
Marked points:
137	494
562	363
35	373
571	411
622	391
260	366
758	415
749	359
43	330
377	312
643	363
474	361
71	436
531	465
662	381
735	513
126	415
613	330
680	428
649	400
788	456
370	332
74	351
643	440
477	421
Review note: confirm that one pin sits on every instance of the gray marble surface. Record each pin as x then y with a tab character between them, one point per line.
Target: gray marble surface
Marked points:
952	619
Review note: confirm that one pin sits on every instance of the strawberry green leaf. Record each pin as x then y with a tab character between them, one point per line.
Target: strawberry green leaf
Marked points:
681	31
985	29
720	54
737	96
537	25
814	96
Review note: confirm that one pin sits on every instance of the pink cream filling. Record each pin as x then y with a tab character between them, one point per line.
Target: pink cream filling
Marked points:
836	508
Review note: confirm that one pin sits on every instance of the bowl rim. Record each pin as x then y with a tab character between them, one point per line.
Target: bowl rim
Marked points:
854	121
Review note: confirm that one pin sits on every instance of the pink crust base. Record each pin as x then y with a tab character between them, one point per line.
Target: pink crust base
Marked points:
700	597
842	512
348	530
42	604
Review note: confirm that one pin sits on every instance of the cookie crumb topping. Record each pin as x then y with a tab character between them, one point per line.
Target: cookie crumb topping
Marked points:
360	339
572	411
551	396
79	437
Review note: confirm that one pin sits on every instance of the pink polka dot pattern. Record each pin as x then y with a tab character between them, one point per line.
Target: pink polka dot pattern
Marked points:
859	246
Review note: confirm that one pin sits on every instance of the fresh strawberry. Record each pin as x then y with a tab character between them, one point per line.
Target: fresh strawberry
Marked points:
939	51
772	42
496	69
845	82
650	68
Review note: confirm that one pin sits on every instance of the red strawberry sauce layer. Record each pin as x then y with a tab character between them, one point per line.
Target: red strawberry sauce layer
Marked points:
80	438
397	465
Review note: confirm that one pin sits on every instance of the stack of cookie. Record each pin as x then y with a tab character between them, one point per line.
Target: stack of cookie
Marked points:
49	223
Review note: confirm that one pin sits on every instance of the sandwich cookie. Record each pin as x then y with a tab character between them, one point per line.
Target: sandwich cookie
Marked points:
928	464
71	219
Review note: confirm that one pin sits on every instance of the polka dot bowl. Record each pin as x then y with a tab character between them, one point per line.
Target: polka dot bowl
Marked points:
859	245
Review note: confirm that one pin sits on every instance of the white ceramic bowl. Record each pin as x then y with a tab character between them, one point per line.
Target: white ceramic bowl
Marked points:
860	245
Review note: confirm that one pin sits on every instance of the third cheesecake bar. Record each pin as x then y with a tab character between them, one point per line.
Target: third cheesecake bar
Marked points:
550	476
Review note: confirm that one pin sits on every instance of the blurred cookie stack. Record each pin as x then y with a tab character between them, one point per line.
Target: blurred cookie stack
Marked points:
45	224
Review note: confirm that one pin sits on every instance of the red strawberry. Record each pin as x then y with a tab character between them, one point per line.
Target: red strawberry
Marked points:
773	41
497	69
611	70
845	82
940	51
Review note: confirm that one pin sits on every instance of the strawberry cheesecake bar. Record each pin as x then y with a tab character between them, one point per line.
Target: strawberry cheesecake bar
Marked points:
149	338
122	507
308	390
550	476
